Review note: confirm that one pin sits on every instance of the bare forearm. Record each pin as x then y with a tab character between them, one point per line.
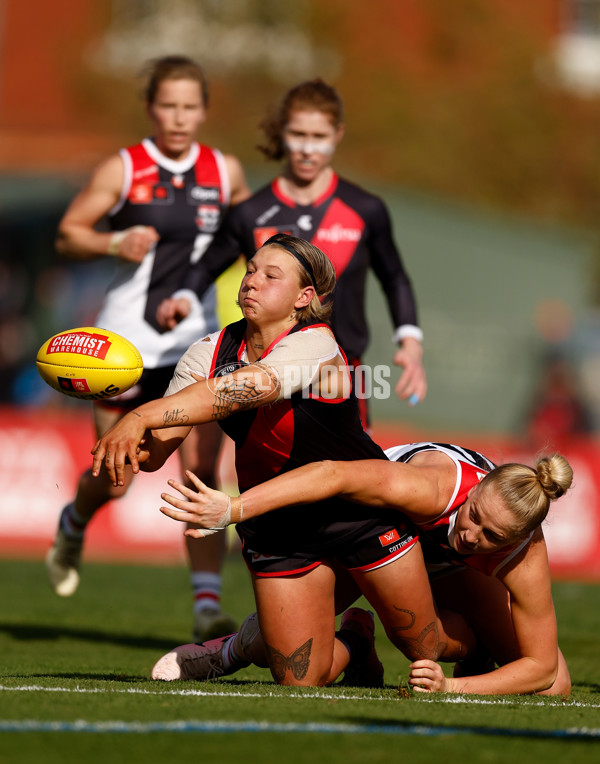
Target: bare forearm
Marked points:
307	484
523	676
82	242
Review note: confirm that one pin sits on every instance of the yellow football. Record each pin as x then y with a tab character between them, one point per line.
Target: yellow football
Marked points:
89	363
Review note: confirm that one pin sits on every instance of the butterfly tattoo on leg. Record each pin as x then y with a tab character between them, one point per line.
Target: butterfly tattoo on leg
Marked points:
297	662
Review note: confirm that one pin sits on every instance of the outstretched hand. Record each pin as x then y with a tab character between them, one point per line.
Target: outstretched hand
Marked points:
121	445
207	507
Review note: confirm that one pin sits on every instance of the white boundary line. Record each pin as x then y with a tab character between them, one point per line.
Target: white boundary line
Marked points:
324	695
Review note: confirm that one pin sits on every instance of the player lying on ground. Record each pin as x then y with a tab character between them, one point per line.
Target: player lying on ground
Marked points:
480	528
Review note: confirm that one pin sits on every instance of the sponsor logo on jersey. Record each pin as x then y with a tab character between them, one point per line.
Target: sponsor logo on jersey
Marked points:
262	234
145	171
147	193
268	214
203	194
73	385
162	193
336	233
388	538
208	218
304	222
141	193
80	343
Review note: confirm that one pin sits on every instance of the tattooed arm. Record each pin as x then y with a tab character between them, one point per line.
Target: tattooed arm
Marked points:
149	434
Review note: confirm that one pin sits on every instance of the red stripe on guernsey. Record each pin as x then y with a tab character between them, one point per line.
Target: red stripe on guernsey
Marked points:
339	234
276	340
272	435
206	170
471	476
279	194
216	354
144	175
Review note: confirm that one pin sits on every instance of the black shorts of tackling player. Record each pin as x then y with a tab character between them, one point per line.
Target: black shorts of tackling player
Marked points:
377	545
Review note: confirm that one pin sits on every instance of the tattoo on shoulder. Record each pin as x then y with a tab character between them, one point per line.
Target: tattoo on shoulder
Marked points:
297	662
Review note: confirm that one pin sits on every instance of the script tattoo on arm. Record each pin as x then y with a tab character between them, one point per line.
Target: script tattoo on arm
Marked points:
296	662
427	644
175	416
241	393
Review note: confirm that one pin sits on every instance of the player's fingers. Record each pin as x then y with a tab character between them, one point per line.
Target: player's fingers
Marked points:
182	504
181	487
98	452
195	480
177	514
200	533
422	663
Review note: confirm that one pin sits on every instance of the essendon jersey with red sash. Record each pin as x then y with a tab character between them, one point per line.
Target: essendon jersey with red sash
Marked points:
437	535
184	201
350	225
280	436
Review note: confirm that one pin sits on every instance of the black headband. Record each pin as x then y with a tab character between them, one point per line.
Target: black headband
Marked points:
300	258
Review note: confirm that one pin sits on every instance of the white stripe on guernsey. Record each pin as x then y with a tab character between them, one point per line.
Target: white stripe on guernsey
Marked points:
224	177
177	167
127	178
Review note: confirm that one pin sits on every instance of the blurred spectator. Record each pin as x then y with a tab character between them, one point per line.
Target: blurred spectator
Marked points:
558	413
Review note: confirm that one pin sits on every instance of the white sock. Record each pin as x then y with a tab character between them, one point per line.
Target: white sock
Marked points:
206	587
229	656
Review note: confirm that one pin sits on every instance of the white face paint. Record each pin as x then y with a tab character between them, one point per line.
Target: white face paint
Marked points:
324	147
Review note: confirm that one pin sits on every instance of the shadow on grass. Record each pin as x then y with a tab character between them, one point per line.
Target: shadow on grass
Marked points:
28	632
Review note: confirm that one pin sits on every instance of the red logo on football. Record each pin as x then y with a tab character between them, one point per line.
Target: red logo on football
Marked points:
80	343
73	385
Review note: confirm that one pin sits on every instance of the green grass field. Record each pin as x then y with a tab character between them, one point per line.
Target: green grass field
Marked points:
74	687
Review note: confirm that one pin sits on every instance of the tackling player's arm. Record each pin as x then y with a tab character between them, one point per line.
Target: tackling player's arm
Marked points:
421	492
77	237
527	580
151	432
